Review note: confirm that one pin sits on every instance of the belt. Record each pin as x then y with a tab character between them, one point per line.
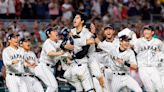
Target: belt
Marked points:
16	74
49	65
29	75
120	73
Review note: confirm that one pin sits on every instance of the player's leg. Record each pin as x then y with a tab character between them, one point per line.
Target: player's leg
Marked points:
84	76
108	78
37	86
116	83
162	79
97	86
46	75
12	83
132	84
28	81
96	71
72	78
157	80
146	80
23	87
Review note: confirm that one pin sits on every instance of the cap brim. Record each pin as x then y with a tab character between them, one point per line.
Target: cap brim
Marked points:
108	27
147	28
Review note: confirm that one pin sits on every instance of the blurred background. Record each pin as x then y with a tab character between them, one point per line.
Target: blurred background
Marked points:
31	17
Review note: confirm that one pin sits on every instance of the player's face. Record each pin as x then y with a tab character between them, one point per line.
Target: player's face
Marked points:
148	33
77	21
109	33
125	44
14	41
26	45
54	35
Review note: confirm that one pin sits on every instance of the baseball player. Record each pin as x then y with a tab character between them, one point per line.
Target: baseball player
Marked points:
78	74
30	63
14	62
50	51
121	73
146	49
98	77
110	39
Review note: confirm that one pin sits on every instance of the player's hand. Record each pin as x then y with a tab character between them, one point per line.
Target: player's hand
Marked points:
69	46
90	41
69	56
33	65
120	61
70	34
97	40
102	81
15	62
69	61
61	52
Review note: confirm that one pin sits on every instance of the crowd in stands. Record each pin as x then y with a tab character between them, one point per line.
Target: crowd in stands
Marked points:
108	10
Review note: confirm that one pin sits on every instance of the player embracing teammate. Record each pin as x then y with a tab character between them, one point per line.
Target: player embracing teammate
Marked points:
107	70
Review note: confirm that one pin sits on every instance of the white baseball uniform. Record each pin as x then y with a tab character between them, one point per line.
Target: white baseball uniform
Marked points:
106	56
160	65
78	74
146	52
121	77
33	83
46	65
15	79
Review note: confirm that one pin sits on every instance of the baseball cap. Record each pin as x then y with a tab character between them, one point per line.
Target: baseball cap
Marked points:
109	26
24	40
124	38
12	35
148	27
48	30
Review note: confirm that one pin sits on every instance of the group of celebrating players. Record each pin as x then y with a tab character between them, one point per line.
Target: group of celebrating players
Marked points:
94	61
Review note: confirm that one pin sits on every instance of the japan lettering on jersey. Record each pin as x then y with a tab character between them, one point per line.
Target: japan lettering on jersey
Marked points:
9	55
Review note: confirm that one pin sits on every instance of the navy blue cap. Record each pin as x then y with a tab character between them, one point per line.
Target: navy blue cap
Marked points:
48	30
124	38
24	40
148	27
12	35
109	26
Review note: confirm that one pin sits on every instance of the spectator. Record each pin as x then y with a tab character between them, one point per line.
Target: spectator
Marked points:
36	30
67	10
11	9
132	11
3	9
15	26
124	12
96	8
28	11
43	36
40	9
54	9
18	8
104	6
23	31
145	12
87	5
81	6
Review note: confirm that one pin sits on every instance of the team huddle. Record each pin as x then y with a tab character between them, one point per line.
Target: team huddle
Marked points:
93	63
